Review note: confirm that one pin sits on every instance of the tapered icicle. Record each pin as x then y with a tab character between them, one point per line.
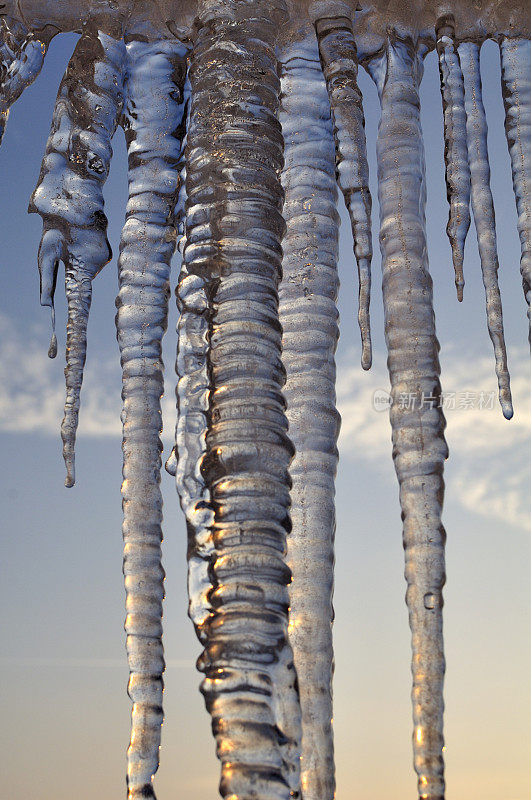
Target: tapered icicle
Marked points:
455	145
516	86
154	126
483	210
309	317
69	197
21	58
172	463
233	450
337	49
419	447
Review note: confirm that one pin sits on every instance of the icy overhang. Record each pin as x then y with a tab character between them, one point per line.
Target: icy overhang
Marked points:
478	20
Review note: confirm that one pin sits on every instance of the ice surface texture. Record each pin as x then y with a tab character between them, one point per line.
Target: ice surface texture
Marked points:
419	447
309	319
242	117
153	118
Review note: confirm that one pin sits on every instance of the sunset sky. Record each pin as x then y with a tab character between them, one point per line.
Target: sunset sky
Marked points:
65	711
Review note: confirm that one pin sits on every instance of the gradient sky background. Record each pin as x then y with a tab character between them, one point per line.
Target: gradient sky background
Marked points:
63	666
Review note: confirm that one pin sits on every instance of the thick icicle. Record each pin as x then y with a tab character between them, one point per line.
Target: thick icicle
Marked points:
308	316
419	447
337	49
516	87
69	197
21	59
233	450
455	145
154	126
483	210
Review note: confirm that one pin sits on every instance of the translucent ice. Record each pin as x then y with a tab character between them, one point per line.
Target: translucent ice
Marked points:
154	116
21	58
232	424
69	197
455	145
272	88
309	320
483	210
419	447
337	48
516	86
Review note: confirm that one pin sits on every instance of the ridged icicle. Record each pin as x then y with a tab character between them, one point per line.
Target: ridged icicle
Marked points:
309	319
233	449
483	210
21	59
172	464
455	145
419	447
516	87
69	197
154	118
338	53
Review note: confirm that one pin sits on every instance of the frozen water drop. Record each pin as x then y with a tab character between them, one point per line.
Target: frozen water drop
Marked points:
52	350
171	464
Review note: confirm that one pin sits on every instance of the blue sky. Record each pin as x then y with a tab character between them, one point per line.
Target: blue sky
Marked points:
66	713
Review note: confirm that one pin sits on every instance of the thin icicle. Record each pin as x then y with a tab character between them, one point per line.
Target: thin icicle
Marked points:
154	118
338	53
21	59
455	145
172	464
419	447
233	449
483	210
309	318
69	197
516	87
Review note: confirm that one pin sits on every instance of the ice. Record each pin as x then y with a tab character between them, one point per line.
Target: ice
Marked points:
340	67
69	197
154	117
21	59
229	105
516	86
232	431
455	145
309	319
419	447
483	210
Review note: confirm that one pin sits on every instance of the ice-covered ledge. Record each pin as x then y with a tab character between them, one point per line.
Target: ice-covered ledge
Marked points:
473	20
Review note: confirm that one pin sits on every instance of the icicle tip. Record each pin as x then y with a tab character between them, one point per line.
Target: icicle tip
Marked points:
171	464
52	350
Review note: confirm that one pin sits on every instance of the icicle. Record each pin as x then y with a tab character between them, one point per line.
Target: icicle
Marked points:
337	49
455	145
308	316
419	447
51	252
69	197
233	450
516	86
483	210
21	59
153	120
172	463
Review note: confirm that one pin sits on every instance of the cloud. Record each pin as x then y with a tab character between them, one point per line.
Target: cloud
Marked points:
32	389
489	470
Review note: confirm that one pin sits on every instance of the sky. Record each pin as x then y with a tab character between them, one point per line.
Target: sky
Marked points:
62	659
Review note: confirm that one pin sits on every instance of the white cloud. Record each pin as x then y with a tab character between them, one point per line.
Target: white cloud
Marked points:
32	389
489	471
